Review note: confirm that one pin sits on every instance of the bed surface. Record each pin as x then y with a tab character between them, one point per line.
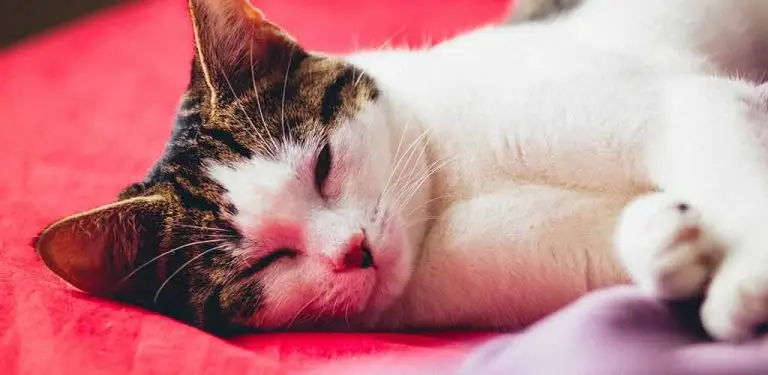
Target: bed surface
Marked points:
85	110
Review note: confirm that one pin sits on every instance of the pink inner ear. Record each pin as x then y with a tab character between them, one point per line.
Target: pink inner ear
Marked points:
233	37
95	250
77	252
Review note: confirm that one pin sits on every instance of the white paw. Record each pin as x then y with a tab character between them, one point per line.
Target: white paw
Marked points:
665	247
737	299
669	252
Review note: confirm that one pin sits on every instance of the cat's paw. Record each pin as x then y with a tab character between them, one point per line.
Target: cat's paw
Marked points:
665	247
736	306
668	251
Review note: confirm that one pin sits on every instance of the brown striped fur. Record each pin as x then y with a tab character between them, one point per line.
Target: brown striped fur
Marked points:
537	10
251	85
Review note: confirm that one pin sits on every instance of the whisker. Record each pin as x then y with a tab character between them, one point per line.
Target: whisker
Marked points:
399	165
318	315
359	77
258	104
346	314
397	157
196	257
218	236
203	228
427	203
240	105
175	249
421	153
401	183
410	224
335	303
282	102
420	182
414	183
301	310
389	40
356	41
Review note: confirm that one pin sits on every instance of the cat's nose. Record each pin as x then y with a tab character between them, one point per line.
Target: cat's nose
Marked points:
355	255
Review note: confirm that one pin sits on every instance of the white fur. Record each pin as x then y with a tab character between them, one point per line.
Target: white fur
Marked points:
279	207
666	247
543	132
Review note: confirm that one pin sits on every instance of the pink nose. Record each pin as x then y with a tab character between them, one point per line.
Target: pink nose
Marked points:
356	255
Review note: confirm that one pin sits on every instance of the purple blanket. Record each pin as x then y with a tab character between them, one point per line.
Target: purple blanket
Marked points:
618	331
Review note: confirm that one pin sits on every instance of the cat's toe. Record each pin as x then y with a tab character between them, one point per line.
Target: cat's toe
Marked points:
737	300
665	247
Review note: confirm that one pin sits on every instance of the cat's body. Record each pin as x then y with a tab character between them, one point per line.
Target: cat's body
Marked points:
476	184
536	187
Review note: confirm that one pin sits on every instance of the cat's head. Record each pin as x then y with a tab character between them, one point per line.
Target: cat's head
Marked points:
281	199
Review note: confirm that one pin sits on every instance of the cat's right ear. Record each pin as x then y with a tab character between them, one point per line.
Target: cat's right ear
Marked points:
235	43
96	250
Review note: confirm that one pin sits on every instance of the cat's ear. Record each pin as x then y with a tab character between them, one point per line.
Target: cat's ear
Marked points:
95	250
234	39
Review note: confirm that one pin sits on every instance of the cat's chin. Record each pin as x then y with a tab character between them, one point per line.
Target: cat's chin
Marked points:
329	300
356	301
394	257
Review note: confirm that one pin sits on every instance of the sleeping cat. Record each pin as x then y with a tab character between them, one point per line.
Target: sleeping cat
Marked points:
482	183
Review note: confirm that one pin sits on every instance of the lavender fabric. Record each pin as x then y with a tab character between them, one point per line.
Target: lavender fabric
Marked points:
618	331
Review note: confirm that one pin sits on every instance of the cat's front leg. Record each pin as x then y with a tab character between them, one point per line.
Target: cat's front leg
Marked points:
710	150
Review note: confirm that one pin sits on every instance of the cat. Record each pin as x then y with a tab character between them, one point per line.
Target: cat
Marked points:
480	183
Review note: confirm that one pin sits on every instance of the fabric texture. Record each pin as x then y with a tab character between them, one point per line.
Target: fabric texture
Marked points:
85	110
619	331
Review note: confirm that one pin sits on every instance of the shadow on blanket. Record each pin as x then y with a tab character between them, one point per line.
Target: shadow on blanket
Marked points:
618	331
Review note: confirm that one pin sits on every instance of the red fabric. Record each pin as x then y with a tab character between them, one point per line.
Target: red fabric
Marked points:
86	110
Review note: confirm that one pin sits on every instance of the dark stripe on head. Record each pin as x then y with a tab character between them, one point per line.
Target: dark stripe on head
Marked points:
192	177
199	202
332	98
226	138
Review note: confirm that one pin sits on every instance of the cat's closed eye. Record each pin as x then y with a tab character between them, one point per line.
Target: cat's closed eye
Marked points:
282	253
323	167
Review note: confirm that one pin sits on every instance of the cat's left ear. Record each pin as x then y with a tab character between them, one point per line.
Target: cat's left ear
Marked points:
235	41
96	250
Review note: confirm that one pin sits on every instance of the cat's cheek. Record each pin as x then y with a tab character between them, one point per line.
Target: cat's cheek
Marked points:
287	289
394	257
